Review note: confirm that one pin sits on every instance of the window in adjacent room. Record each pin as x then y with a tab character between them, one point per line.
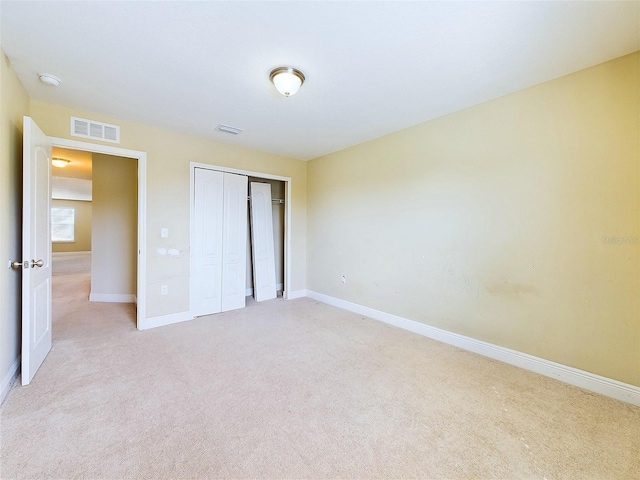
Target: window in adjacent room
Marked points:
63	224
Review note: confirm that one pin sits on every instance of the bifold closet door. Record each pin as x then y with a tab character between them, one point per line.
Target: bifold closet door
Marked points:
234	246
206	295
264	264
219	244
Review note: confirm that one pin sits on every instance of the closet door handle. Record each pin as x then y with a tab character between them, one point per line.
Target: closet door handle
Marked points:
37	263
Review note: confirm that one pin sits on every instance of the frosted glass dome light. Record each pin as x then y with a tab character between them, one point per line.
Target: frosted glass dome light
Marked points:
287	80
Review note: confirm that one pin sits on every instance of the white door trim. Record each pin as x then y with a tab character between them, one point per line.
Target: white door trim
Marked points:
141	157
287	217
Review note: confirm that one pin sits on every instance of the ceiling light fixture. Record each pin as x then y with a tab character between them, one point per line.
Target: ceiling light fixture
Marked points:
287	80
49	80
60	162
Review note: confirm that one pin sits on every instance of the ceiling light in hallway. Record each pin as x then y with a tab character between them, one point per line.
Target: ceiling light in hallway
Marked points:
60	162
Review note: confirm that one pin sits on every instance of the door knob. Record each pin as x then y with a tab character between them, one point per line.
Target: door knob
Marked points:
16	264
37	263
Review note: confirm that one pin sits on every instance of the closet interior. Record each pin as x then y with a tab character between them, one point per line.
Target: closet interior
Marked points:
239	237
277	217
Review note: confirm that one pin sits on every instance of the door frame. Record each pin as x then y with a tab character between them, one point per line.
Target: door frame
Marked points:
141	157
287	217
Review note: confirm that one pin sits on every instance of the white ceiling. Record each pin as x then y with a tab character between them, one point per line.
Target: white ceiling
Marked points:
372	68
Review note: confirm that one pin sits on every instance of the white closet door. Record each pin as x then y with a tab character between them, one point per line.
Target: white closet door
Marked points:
234	250
264	265
206	260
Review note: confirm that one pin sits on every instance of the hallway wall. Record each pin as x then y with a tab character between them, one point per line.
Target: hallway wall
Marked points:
115	228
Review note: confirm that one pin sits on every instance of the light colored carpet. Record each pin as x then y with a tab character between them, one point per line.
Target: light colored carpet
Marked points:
294	389
71	264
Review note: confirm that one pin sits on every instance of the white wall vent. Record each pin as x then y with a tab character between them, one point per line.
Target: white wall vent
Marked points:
81	127
229	129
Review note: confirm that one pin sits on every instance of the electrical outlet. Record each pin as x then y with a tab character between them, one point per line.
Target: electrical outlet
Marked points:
164	289
343	279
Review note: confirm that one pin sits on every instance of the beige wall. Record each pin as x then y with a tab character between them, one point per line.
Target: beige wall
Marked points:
514	222
115	225
82	232
14	104
168	156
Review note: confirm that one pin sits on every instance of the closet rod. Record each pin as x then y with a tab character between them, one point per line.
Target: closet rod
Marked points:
273	200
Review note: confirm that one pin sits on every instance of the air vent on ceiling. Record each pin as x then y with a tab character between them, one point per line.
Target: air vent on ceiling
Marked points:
81	127
229	129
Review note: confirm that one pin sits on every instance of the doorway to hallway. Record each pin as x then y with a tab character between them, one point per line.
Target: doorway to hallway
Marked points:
94	235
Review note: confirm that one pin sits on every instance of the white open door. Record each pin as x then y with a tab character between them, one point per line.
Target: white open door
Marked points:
206	260
36	249
234	250
264	264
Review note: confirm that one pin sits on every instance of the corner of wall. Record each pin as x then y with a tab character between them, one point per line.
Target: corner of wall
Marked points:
14	106
9	380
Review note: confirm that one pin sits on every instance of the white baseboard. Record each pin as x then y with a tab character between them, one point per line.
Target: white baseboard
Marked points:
9	379
112	297
65	254
573	376
297	294
163	320
249	291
